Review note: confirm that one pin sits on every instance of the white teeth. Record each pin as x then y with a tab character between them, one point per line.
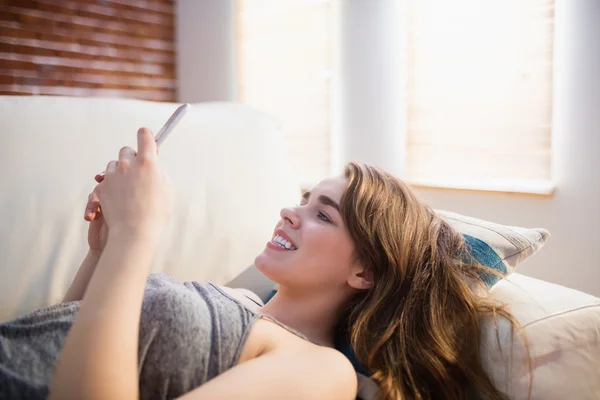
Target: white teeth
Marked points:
283	243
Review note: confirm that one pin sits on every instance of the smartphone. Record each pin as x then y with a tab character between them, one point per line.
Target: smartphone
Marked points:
164	132
167	128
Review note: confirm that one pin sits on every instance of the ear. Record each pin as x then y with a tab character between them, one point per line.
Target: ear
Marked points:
360	278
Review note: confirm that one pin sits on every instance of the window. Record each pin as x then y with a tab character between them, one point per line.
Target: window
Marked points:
284	62
479	87
480	94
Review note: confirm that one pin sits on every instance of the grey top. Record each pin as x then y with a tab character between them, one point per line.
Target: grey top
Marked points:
189	333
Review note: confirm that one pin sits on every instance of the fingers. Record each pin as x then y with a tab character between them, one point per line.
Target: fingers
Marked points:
147	149
92	208
111	167
98	214
126	154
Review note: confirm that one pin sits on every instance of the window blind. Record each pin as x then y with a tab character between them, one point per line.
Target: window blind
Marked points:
480	94
283	67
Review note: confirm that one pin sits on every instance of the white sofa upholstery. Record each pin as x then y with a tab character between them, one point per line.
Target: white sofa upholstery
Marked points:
562	327
231	177
225	161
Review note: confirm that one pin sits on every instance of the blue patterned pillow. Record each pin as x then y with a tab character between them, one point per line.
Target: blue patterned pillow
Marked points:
497	246
485	255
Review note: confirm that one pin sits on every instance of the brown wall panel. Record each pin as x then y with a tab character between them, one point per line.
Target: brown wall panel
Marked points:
114	48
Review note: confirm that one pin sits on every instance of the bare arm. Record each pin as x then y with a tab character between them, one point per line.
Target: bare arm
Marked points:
82	279
291	374
100	356
99	359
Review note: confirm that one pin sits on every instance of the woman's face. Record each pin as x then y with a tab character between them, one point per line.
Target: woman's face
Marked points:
310	249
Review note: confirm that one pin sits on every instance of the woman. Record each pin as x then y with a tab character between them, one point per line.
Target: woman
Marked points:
360	259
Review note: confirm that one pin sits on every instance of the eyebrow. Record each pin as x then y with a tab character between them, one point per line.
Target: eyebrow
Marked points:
328	201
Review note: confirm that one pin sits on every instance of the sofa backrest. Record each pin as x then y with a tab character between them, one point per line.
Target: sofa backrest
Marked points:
225	160
562	329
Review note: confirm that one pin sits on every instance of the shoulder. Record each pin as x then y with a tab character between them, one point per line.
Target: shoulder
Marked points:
336	366
324	369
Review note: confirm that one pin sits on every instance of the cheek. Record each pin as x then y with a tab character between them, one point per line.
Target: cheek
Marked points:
327	256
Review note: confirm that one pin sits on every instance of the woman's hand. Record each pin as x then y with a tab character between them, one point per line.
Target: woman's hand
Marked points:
135	195
98	229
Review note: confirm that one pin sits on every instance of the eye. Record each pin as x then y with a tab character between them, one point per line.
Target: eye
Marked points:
323	217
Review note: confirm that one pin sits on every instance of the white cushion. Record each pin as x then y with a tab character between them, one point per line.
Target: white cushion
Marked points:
225	160
512	244
562	327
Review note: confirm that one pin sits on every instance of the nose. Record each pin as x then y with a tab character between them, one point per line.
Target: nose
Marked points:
290	215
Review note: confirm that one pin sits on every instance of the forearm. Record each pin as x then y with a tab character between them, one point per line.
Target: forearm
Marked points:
100	355
82	278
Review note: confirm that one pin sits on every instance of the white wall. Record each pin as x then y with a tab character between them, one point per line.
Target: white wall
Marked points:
205	40
366	123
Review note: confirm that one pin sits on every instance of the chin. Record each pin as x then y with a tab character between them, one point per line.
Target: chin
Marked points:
267	266
263	263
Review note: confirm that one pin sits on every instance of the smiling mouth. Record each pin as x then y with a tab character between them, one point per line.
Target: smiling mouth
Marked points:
283	243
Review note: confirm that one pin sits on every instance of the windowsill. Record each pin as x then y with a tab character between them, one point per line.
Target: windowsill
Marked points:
515	186
534	187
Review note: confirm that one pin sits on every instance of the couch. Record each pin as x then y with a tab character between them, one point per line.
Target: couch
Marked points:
231	179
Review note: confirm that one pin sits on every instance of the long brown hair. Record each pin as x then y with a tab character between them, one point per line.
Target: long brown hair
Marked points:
417	330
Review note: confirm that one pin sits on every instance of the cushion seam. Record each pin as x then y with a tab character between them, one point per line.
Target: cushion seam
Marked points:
518	252
560	313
